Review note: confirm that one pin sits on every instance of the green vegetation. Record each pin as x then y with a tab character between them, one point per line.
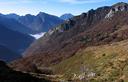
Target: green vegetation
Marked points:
107	63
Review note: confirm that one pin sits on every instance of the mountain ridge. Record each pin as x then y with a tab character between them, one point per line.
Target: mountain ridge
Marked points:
43	20
66	16
30	22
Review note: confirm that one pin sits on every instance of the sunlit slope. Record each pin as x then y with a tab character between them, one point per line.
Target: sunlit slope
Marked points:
106	63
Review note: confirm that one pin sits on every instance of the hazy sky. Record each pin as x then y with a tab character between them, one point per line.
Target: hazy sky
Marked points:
55	7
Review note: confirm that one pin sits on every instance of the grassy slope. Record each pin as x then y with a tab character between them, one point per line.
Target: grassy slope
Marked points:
108	63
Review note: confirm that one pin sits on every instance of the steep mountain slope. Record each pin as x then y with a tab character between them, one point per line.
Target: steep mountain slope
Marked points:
66	16
40	23
14	40
88	29
7	54
14	25
9	75
106	63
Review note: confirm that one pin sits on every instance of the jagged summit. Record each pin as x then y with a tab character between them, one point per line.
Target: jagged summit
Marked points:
118	7
42	13
120	4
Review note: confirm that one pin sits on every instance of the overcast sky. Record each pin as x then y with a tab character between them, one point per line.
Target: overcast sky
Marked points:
54	7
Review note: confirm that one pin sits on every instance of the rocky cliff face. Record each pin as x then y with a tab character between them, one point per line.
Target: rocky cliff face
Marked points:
87	29
117	8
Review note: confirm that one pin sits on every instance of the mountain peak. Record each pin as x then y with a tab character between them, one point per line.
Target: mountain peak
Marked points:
41	13
66	16
118	7
28	15
120	4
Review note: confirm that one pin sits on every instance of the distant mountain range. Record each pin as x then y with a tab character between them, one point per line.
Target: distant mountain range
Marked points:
41	22
12	16
66	16
18	32
14	25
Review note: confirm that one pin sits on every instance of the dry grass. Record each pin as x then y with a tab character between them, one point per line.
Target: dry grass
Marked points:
108	62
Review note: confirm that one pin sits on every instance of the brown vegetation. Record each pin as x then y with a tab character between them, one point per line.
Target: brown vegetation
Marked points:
88	29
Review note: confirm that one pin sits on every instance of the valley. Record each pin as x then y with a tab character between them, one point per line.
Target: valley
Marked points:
90	47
